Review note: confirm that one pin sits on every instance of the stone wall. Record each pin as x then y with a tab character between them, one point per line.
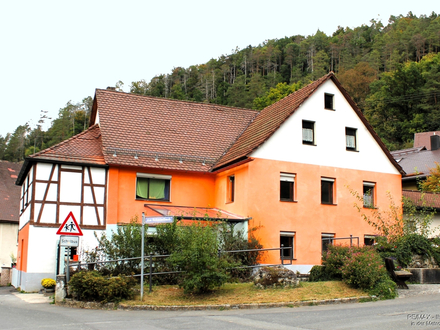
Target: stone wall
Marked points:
6	276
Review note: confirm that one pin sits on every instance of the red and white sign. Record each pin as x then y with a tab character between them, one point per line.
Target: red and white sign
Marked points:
70	227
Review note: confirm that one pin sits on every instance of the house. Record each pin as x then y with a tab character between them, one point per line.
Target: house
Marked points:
286	170
9	215
417	163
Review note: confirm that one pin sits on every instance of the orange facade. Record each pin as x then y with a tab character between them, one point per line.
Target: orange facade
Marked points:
22	253
257	195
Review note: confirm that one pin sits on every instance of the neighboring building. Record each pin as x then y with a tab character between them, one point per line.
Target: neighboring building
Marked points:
286	170
417	163
9	211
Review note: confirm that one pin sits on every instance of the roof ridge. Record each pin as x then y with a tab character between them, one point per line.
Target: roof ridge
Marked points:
176	100
44	151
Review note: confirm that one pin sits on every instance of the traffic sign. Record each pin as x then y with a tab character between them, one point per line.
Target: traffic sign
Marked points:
70	227
72	241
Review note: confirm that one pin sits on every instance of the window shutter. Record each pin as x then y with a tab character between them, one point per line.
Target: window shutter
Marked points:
287	177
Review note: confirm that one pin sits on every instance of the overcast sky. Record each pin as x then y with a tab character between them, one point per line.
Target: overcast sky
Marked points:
55	51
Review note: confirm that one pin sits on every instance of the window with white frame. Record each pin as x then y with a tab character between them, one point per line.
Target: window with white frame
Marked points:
350	139
287	246
287	187
326	240
153	187
308	132
327	190
368	194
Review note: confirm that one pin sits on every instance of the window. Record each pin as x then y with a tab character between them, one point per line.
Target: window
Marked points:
287	182
350	138
327	187
326	239
287	241
368	194
328	101
308	132
231	189
369	239
153	187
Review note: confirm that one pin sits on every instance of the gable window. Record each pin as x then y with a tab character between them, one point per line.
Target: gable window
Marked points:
326	240
327	190
328	101
231	189
368	194
308	132
350	138
287	183
153	187
287	240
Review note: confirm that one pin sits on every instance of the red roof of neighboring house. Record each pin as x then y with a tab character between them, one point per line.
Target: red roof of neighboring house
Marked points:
137	130
9	192
423	199
85	147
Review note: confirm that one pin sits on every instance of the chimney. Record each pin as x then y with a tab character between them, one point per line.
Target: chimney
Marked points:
435	142
111	88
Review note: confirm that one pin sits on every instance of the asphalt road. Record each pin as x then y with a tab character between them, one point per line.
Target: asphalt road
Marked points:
22	311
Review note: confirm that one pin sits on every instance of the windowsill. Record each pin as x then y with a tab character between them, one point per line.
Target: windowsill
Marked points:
352	150
330	109
287	258
230	202
309	144
287	201
153	200
369	207
330	204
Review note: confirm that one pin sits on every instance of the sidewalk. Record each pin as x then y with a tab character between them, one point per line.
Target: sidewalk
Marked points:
419	289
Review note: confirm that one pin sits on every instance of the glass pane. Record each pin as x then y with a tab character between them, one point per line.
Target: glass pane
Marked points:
142	188
157	189
286	190
326	192
350	141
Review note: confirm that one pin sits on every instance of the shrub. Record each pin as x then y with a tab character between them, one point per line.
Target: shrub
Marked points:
335	258
385	288
318	273
363	269
92	286
198	257
412	244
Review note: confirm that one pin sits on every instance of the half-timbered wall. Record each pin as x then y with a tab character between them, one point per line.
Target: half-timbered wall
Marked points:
51	191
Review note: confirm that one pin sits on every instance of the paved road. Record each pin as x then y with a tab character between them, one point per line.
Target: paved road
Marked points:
25	311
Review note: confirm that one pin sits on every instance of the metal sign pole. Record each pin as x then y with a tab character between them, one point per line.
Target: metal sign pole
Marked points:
67	270
142	257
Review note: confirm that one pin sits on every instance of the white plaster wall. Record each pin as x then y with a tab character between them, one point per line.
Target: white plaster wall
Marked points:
43	171
71	187
8	242
43	243
330	150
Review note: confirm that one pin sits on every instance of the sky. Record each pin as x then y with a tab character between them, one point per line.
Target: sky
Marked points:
53	52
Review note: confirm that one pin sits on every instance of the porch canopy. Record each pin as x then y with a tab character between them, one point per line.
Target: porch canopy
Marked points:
193	213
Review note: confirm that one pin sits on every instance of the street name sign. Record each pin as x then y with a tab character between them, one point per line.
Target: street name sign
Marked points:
150	220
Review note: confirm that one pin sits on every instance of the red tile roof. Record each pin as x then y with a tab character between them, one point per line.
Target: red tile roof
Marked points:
85	147
181	135
9	192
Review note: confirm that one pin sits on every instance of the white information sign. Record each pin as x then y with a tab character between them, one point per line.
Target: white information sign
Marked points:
72	241
150	220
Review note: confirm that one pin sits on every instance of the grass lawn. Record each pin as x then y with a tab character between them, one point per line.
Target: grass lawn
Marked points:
246	293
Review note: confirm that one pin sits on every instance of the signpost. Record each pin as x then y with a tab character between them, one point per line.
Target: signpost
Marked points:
149	220
72	231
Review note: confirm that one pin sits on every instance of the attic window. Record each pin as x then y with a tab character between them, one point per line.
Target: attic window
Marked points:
328	101
308	132
350	138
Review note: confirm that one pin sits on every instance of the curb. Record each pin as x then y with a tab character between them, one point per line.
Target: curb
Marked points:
122	306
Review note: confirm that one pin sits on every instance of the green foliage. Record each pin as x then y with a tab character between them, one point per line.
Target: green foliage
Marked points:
334	259
363	269
432	182
198	256
412	244
92	286
385	288
275	94
318	273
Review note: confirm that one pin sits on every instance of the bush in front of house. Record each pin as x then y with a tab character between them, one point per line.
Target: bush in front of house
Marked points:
92	286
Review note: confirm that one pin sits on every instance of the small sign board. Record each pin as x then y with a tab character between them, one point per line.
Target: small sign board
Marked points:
150	220
72	241
70	227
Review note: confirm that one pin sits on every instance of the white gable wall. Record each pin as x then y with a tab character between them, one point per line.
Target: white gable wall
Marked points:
330	149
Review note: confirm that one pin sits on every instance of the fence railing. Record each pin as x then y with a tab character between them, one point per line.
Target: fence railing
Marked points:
152	259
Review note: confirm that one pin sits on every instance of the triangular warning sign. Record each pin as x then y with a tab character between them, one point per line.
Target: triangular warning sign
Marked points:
70	227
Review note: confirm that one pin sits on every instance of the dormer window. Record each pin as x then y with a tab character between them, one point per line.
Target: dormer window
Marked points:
328	101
